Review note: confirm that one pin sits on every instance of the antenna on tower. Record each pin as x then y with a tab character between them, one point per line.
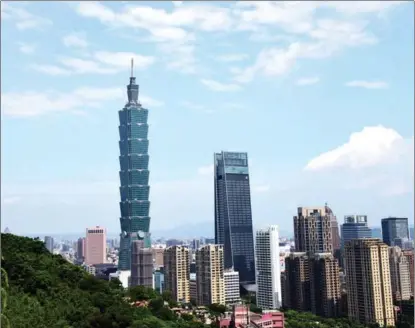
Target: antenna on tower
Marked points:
132	67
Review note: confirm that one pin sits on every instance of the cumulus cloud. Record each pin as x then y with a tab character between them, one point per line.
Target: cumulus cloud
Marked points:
370	147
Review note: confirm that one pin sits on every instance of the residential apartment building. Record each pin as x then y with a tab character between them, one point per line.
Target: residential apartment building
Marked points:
232	289
193	287
176	272
312	230
325	290
210	275
409	254
268	268
141	265
297	282
368	282
400	274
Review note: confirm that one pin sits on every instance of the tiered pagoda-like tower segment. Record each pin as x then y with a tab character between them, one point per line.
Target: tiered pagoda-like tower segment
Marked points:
134	175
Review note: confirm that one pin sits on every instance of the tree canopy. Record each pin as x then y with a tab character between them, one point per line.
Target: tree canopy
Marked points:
45	290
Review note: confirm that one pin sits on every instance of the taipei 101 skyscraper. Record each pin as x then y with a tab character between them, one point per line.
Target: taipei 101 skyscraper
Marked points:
134	174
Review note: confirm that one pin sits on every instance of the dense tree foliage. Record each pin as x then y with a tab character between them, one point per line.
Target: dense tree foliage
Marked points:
45	291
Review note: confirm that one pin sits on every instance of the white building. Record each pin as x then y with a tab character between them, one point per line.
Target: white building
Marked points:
268	268
232	291
123	276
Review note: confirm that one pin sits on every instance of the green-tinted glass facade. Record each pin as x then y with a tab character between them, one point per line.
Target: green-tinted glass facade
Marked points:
134	175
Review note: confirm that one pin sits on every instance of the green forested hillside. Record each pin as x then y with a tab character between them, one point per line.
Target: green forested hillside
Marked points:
46	291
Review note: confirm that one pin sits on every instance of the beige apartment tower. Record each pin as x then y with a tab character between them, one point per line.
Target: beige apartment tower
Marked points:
409	254
177	272
369	292
325	285
313	230
400	274
210	275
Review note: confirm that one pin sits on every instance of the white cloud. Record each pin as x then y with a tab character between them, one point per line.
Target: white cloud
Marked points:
368	84
75	40
309	36
21	17
228	58
27	48
75	102
372	146
308	81
206	170
220	87
102	62
177	3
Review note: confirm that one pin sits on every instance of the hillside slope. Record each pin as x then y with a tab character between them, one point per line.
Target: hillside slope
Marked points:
45	291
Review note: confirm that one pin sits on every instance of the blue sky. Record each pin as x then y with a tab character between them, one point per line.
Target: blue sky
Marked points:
320	95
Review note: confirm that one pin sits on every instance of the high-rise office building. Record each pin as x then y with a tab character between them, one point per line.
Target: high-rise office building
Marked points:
176	272
409	254
268	268
233	215
369	292
232	290
400	274
95	245
49	244
325	291
80	249
312	230
354	227
210	275
297	282
141	265
394	228
134	175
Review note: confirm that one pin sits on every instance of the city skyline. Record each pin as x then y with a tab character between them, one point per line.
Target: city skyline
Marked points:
305	101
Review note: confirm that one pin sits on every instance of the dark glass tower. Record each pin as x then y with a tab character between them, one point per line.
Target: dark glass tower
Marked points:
134	175
354	227
233	217
394	228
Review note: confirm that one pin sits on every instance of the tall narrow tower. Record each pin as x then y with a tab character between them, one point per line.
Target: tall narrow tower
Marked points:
233	215
134	174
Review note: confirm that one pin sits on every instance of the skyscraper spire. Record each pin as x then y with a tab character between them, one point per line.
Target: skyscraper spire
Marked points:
132	88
